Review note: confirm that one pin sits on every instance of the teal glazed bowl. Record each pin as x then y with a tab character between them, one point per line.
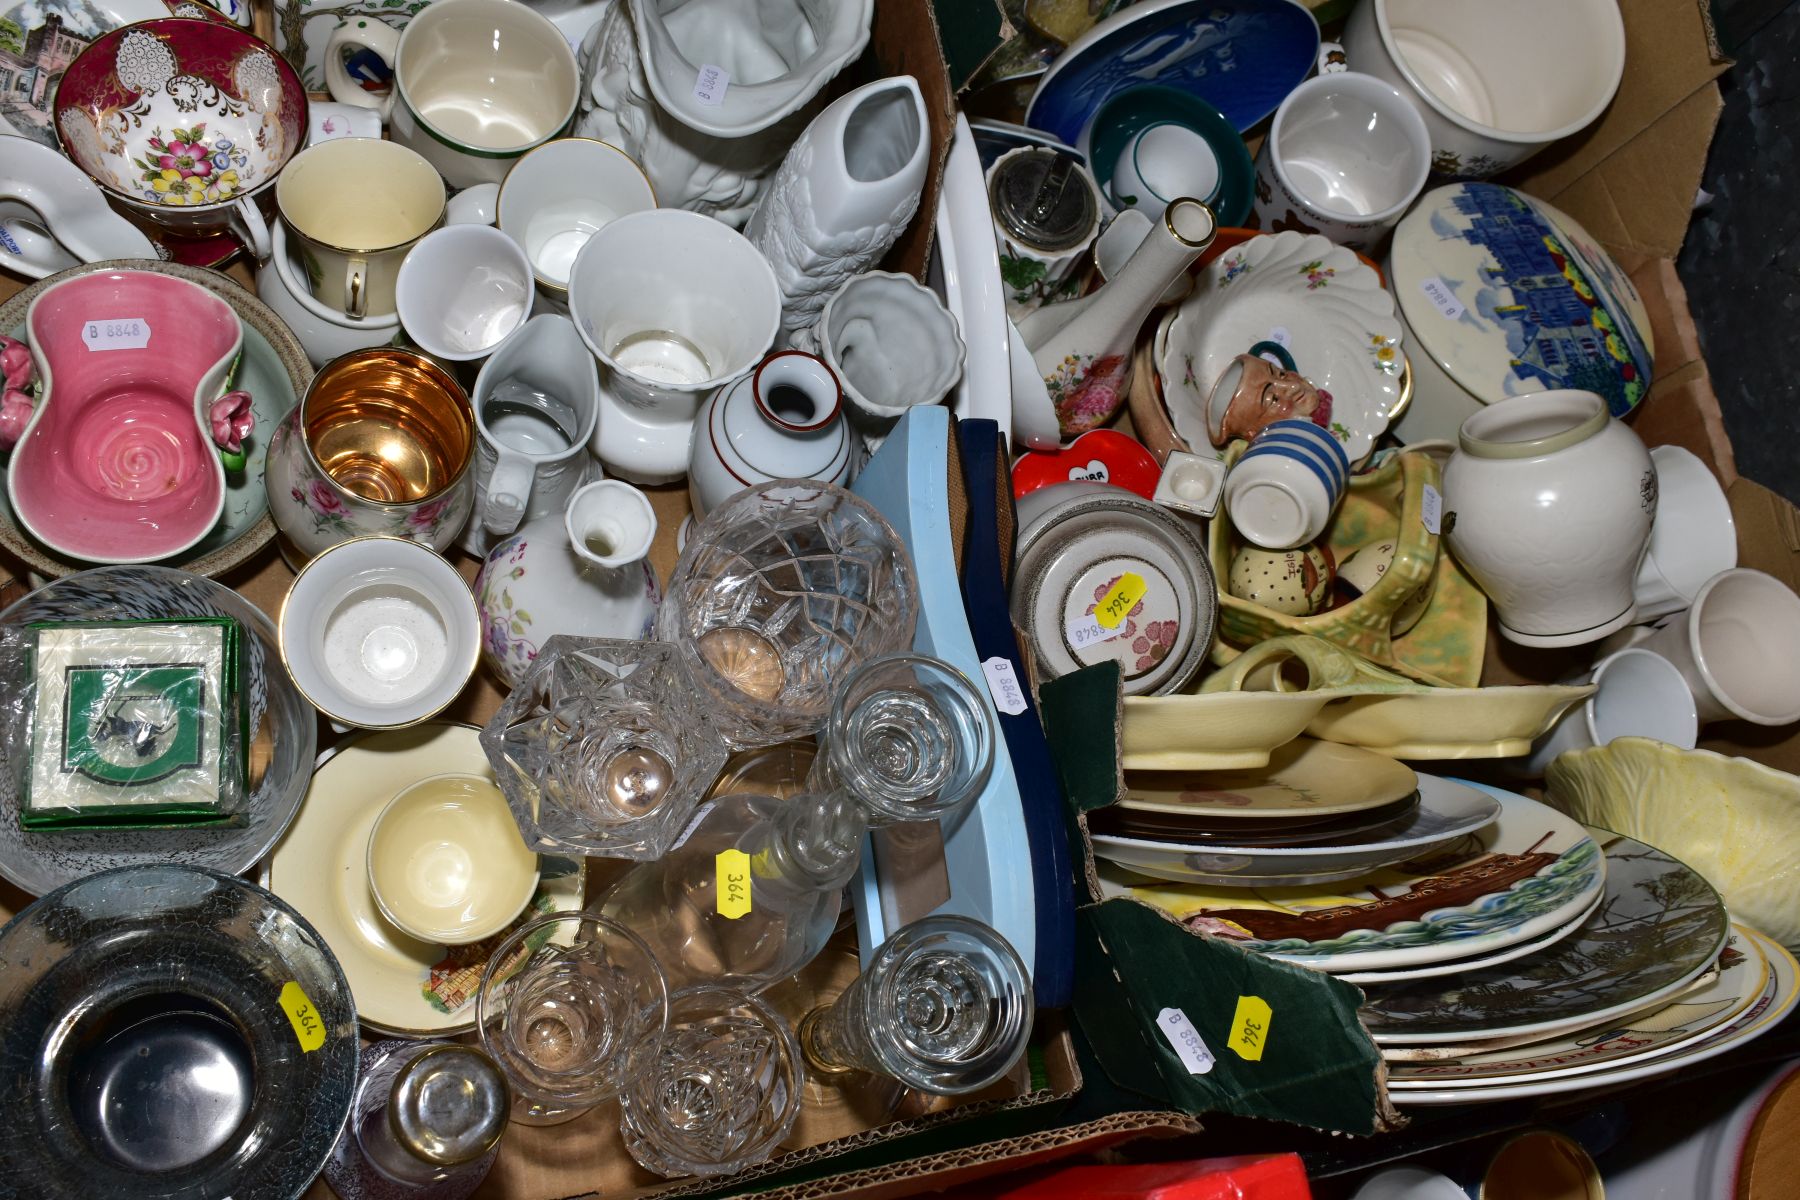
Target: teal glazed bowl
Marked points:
1120	119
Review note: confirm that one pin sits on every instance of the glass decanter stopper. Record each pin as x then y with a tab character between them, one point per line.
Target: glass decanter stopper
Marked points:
425	1123
563	1001
718	1091
944	1007
754	890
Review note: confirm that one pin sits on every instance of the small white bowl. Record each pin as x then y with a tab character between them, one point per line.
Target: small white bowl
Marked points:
446	862
1160	163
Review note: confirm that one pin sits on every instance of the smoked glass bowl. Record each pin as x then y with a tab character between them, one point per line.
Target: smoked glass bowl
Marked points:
169	1031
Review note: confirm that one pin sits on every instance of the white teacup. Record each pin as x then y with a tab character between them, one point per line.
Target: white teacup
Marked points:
446	862
560	194
324	332
1495	83
477	83
463	290
1346	155
1693	538
1642	694
1735	647
379	632
353	239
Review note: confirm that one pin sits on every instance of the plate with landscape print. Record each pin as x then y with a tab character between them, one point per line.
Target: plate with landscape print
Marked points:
1637	1037
1658	926
1780	989
1524	875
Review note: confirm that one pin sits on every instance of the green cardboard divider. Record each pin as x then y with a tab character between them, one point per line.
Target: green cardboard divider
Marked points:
1195	1021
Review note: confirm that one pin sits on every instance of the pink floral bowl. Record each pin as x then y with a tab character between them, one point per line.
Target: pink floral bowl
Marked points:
182	121
118	461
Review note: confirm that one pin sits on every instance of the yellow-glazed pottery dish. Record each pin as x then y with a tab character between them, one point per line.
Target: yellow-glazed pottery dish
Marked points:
446	862
1224	732
1395	502
1733	820
1446	723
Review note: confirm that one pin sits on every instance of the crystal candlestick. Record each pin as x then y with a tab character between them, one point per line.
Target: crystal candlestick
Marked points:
718	1091
753	891
425	1123
563	1001
603	748
945	1007
782	590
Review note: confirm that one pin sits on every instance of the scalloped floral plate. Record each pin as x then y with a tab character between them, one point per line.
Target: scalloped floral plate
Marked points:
1318	300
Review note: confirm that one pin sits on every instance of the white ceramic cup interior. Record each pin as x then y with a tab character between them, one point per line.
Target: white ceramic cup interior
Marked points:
1737	647
674	298
1351	145
1641	694
558	195
462	290
1693	539
1163	162
492	74
379	632
1541	67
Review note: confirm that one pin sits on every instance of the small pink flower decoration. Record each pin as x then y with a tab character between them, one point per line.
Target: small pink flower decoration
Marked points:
231	420
15	363
426	515
324	500
15	414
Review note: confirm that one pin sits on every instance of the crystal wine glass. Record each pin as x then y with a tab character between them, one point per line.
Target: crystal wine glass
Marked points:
753	891
944	1007
563	1001
781	591
717	1091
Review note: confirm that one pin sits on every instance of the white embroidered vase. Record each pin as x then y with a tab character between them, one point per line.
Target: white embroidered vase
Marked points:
843	194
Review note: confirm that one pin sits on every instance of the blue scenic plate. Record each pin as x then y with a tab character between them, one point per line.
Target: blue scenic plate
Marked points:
1241	56
1508	296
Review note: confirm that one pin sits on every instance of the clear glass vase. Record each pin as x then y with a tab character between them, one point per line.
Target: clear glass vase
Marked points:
753	891
563	1001
782	590
944	1007
604	748
425	1123
718	1091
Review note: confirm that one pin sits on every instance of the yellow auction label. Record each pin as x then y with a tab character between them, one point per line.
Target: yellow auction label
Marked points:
732	868
309	1027
1250	1028
1120	599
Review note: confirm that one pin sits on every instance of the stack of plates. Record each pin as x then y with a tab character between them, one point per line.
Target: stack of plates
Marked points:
1318	813
1527	957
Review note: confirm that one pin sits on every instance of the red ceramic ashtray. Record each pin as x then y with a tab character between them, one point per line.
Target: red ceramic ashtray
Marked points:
1098	456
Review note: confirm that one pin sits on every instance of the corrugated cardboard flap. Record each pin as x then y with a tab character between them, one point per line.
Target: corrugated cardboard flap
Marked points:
1311	1064
1631	177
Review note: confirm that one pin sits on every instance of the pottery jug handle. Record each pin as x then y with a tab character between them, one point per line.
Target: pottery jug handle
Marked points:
252	230
380	40
507	488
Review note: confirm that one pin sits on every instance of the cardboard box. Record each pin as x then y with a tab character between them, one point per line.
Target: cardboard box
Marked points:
1631	180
